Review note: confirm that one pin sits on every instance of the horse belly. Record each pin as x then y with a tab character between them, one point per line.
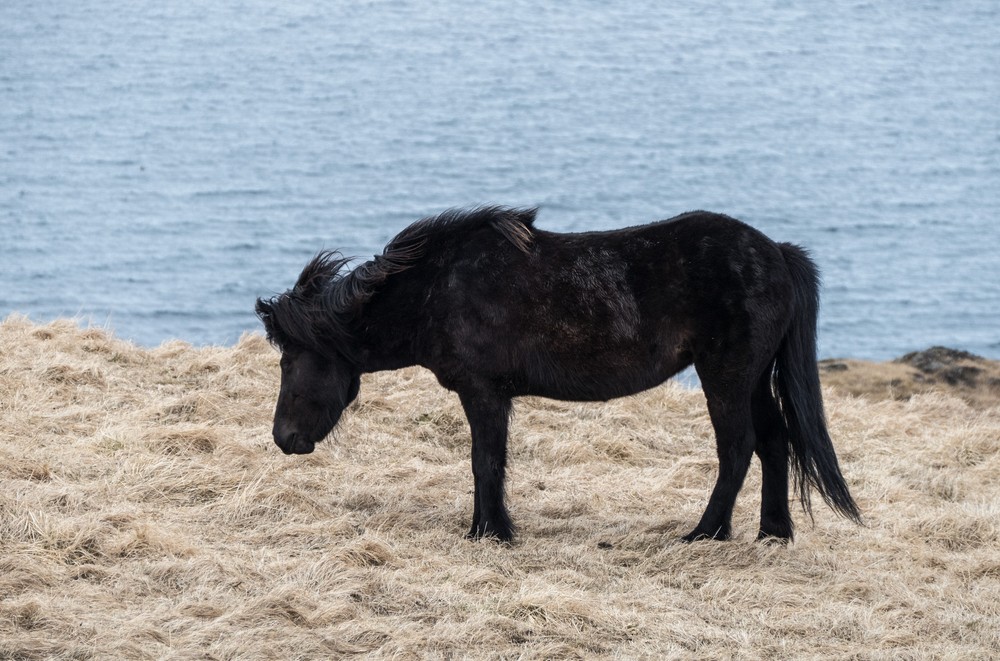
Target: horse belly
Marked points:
579	377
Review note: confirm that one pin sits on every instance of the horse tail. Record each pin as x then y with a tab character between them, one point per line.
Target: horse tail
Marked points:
796	380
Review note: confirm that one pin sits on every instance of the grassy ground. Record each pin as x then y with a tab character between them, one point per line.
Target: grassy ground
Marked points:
145	513
973	379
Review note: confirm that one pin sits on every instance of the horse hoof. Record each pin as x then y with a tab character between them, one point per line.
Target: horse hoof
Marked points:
698	535
773	539
500	537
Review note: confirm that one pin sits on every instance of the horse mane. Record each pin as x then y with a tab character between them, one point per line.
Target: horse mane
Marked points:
317	313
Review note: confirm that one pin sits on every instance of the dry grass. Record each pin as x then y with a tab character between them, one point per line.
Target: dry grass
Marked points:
145	513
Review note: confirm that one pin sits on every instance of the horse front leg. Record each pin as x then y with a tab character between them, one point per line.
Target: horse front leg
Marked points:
488	417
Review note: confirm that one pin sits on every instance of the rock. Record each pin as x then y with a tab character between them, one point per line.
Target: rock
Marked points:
937	358
938	369
944	363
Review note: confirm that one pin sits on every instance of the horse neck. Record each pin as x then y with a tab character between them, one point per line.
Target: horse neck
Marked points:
386	329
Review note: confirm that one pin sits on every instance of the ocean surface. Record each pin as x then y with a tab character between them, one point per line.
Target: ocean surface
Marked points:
162	164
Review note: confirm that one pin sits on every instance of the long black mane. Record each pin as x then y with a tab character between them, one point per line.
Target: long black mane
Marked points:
318	312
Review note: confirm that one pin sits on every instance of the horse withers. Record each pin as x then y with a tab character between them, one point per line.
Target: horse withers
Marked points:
497	308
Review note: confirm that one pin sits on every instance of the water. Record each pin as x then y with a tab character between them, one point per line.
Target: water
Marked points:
163	164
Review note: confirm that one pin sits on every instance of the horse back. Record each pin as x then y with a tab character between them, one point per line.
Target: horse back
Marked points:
596	315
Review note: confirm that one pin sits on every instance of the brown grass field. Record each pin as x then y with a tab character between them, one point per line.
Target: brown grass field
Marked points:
145	513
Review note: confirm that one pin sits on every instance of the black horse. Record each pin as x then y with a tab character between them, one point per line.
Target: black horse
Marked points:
497	309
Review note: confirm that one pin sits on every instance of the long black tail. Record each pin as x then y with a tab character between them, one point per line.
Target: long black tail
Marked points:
796	380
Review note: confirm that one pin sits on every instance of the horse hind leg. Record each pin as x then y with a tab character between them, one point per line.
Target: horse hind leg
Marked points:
729	409
772	450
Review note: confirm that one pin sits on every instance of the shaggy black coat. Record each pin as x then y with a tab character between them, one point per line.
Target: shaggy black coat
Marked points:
497	308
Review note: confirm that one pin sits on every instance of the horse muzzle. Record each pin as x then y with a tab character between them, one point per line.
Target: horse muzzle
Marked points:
294	444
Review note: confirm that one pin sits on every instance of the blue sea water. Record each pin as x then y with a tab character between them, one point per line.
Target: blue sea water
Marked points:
163	164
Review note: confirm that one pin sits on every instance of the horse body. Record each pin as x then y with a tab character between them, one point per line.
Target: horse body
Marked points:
580	316
497	309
